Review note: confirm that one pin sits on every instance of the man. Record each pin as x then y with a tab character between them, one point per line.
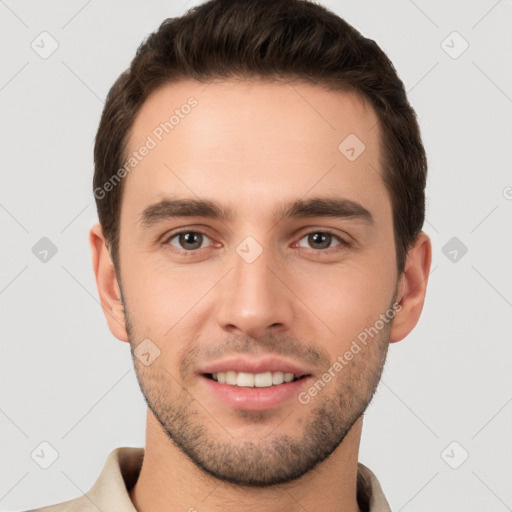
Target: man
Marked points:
260	184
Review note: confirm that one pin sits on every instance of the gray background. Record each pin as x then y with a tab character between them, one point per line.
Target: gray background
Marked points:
67	381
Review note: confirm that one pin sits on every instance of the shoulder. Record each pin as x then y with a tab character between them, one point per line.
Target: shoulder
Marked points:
110	491
81	504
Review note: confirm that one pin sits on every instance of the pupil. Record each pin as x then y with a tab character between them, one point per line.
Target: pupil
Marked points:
323	239
190	239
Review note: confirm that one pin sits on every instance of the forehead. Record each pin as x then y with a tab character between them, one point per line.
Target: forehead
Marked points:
253	138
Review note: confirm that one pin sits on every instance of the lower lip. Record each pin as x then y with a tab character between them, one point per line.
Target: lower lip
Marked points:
255	399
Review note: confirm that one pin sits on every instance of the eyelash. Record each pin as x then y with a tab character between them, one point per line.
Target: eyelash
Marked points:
341	246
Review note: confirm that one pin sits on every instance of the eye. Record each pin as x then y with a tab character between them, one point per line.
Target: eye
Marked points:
189	240
320	240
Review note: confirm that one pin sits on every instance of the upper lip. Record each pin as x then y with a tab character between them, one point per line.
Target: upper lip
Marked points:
261	365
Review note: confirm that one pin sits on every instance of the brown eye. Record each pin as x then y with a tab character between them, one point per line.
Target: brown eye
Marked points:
319	240
188	240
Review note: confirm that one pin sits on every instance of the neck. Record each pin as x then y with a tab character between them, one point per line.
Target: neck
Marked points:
169	481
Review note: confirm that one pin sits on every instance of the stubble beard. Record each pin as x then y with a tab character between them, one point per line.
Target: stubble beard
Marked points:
278	457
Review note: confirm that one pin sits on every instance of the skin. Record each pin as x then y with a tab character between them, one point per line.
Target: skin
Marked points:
251	145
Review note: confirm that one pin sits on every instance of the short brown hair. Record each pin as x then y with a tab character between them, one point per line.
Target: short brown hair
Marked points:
275	40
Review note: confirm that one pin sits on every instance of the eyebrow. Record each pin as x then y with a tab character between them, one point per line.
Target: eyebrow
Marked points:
335	207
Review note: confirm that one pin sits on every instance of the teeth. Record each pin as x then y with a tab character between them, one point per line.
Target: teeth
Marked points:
253	380
278	377
230	378
263	380
245	380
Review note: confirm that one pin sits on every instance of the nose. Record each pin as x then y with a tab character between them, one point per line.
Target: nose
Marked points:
255	298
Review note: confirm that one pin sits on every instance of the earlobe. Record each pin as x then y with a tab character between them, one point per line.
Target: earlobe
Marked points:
412	288
107	284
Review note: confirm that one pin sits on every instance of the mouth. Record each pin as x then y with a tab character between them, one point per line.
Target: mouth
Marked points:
254	384
254	380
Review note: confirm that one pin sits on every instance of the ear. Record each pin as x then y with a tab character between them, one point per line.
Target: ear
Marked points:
106	281
412	288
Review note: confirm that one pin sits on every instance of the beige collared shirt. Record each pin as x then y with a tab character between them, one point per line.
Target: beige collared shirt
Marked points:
122	468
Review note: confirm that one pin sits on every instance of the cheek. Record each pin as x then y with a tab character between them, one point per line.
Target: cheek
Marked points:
165	297
343	300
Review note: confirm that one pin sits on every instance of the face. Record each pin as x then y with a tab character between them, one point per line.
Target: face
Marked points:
253	250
